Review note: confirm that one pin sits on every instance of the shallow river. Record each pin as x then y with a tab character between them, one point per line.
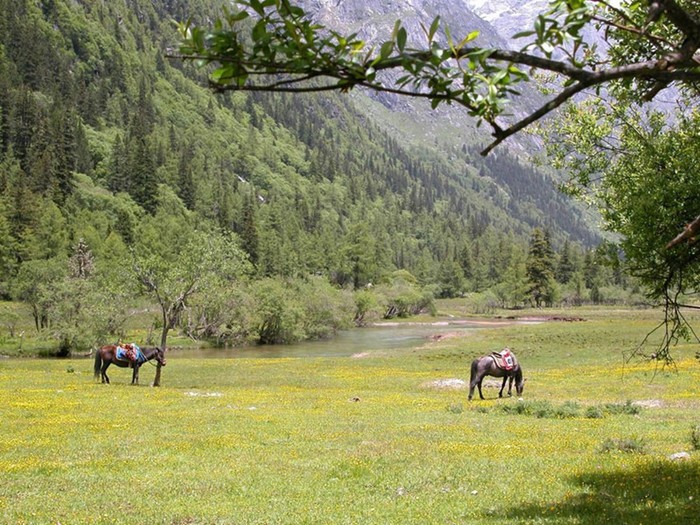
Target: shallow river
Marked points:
351	342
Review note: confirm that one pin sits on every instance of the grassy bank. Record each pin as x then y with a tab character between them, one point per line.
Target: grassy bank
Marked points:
384	439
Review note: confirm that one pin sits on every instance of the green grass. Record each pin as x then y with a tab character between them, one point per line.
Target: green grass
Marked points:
358	441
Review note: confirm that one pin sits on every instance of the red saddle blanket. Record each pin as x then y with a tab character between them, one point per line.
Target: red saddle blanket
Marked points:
127	352
504	359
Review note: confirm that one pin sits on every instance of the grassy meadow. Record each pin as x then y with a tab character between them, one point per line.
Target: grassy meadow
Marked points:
388	438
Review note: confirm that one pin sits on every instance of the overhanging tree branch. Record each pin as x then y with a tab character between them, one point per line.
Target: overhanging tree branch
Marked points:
689	234
272	45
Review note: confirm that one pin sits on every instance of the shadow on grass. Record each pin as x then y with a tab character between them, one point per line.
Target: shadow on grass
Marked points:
662	493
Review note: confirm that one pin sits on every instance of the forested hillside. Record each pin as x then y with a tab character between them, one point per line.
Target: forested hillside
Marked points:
109	150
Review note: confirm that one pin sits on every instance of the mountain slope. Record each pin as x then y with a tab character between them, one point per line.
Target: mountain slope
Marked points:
99	128
448	131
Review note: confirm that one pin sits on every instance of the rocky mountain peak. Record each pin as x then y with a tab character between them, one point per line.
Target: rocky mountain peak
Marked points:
508	17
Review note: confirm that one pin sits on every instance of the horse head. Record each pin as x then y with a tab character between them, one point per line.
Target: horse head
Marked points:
519	381
160	356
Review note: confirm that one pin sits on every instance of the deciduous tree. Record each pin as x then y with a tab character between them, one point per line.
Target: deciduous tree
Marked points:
644	180
173	261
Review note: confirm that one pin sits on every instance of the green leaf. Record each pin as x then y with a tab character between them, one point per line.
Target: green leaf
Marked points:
222	74
471	36
259	31
237	17
395	32
500	76
256	6
291	30
523	34
386	50
539	27
401	39
433	28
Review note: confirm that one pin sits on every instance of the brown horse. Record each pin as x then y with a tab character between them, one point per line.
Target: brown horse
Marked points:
487	366
107	355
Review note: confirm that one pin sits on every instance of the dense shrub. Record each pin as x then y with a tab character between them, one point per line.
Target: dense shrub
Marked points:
594	412
290	310
695	437
570	409
622	408
627	445
325	309
401	296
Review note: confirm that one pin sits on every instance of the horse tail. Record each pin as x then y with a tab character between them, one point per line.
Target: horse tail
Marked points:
98	363
475	367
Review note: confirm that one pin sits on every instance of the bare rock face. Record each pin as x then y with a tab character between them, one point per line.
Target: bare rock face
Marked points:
497	22
508	17
373	22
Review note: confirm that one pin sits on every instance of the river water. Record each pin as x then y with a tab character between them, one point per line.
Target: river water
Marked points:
380	338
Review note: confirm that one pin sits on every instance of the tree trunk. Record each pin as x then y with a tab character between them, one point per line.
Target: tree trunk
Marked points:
163	345
156	380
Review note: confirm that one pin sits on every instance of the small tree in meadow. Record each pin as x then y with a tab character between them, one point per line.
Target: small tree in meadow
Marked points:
173	262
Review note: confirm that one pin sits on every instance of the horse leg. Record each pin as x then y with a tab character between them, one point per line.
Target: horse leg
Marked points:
510	385
500	393
475	380
103	371
135	375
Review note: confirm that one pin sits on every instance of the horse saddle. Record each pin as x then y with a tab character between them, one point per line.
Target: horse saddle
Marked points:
504	359
129	353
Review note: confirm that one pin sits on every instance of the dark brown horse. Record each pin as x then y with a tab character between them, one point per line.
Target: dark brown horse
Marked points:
107	355
488	366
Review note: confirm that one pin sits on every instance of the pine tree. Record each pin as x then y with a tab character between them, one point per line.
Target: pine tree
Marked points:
248	229
83	159
64	138
540	268
117	177
142	174
451	278
565	268
185	180
7	252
